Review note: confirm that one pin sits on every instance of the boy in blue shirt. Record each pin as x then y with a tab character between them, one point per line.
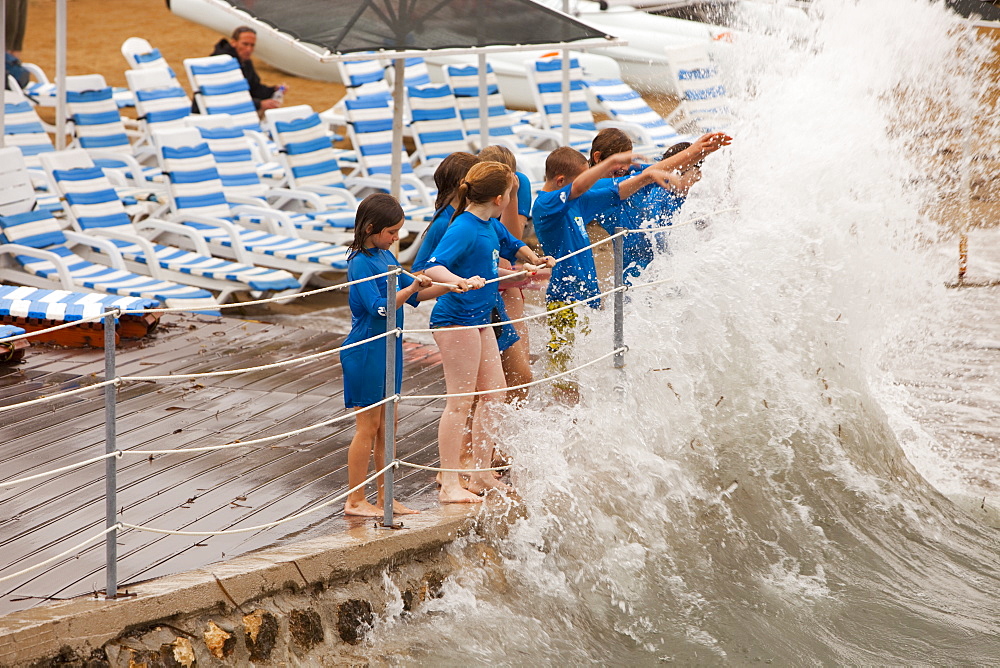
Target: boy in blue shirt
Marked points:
572	196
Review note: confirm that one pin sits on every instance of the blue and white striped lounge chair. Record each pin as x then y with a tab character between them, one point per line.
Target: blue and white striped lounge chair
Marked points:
220	88
140	55
64	305
25	130
631	113
43	92
93	208
704	100
331	220
99	129
197	199
545	79
415	72
35	309
506	126
437	127
159	102
11	352
38	252
370	124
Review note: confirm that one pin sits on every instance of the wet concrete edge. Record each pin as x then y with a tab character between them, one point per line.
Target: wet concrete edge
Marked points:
89	622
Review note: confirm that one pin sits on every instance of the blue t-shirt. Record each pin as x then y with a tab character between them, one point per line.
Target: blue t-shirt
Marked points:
432	236
364	366
561	227
472	247
523	195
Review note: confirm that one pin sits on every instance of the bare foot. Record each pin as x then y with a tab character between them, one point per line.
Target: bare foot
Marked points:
458	496
462	479
399	509
362	509
482	486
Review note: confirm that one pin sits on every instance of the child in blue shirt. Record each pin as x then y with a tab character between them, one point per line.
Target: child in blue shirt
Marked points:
469	255
651	206
377	224
447	178
568	201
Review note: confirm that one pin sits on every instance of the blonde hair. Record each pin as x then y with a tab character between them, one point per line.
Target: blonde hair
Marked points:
498	153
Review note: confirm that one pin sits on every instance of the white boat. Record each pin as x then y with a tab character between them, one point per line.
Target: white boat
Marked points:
642	63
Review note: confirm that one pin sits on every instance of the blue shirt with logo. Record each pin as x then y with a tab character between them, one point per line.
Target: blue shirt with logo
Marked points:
470	247
561	227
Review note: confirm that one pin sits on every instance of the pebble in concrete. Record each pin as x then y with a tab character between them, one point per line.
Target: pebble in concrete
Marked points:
220	642
354	619
306	628
261	630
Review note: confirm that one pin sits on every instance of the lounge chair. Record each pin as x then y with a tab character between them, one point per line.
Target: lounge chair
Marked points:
436	124
704	100
12	352
197	199
220	88
43	92
38	252
370	127
329	219
630	112
93	207
140	55
546	79
33	309
99	129
159	102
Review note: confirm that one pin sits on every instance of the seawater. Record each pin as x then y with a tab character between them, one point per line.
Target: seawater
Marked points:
756	485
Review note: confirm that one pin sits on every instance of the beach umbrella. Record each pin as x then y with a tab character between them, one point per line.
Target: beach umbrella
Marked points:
332	30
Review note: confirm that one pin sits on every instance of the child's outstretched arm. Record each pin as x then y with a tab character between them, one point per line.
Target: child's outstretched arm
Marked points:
702	146
604	168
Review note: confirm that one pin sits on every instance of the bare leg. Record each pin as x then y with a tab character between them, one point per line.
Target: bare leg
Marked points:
485	421
516	362
369	424
460	351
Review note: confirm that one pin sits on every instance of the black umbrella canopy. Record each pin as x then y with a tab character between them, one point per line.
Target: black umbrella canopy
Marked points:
344	26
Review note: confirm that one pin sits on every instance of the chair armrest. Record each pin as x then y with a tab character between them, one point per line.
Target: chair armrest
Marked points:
152	261
102	245
278	196
279	222
157	226
333	191
64	276
234	236
133	169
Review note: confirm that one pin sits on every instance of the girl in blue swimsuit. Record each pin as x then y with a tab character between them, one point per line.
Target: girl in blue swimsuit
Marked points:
376	228
468	255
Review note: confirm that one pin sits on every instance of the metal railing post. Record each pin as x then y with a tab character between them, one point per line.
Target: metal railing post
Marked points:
390	389
619	301
111	463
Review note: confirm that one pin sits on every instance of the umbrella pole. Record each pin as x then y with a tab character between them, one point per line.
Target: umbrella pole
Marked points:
396	176
484	109
60	75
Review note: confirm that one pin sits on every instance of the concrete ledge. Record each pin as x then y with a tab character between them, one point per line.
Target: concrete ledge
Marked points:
87	624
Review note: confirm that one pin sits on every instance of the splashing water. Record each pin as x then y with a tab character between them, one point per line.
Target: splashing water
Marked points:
745	497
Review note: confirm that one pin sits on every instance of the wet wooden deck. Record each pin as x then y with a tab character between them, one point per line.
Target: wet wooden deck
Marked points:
199	491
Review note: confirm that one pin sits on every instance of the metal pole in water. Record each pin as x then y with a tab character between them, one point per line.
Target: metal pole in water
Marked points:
619	303
390	389
111	463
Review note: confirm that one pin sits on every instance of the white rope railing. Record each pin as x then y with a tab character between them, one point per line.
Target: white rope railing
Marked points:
72	550
70	467
262	367
262	439
267	525
53	397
